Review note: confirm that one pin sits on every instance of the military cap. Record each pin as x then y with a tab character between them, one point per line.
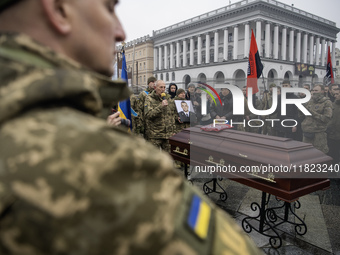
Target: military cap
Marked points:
179	91
272	85
6	3
151	79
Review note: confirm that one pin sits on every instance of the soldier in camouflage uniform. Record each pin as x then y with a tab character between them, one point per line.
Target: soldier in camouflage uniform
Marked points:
267	102
140	121
70	183
314	126
333	130
159	115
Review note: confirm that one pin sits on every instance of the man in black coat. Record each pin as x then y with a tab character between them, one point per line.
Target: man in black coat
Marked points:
291	114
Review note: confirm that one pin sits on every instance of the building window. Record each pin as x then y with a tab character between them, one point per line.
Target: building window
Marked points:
230	53
337	62
196	45
230	37
203	43
140	53
167	76
144	66
212	41
173	76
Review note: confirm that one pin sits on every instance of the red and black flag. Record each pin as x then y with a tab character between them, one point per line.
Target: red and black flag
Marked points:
255	66
329	78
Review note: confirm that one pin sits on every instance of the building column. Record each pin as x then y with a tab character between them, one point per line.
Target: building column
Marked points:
225	44
311	49
185	49
333	53
171	55
199	50
216	39
317	51
178	56
207	48
298	47
235	42
267	41
304	48
155	67
166	56
246	39
192	51
159	57
323	43
258	36
284	44
291	45
276	42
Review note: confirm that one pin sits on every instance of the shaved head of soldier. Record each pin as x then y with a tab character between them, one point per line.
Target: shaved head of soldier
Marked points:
70	28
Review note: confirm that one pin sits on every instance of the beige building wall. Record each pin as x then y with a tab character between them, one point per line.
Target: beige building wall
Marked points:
139	60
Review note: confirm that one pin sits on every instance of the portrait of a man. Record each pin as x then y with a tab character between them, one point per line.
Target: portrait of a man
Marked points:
185	111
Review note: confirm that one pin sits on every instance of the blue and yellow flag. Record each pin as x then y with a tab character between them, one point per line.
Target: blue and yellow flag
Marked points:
199	217
124	107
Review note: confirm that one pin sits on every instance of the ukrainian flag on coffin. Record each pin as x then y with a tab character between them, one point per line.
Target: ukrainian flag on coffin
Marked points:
199	217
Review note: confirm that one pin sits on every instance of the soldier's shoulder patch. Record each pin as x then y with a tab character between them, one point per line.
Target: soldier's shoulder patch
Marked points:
199	217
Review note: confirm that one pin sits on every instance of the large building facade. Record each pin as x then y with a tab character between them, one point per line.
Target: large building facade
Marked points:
214	47
139	60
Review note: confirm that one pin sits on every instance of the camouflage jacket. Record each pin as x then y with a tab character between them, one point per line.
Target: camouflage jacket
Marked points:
140	102
160	121
321	109
70	184
333	129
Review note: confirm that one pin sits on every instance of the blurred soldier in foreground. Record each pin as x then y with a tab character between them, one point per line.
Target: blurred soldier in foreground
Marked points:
314	126
69	183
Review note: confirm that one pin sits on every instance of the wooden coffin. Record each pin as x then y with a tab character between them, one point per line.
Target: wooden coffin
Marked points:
279	166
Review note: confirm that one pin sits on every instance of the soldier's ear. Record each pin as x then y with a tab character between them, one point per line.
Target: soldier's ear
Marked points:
57	13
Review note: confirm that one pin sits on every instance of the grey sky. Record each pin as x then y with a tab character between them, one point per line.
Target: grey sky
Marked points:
140	17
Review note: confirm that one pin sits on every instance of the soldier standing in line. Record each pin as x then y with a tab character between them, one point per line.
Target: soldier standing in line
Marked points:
69	183
314	126
140	102
290	131
333	130
267	102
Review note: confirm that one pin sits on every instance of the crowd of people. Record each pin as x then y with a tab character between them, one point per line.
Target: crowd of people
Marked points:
158	118
69	182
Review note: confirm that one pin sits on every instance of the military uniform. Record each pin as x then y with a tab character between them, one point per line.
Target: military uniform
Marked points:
314	126
140	103
160	121
70	184
134	119
267	102
333	133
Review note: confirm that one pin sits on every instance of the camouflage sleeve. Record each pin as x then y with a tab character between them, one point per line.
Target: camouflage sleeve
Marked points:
327	114
152	112
103	195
